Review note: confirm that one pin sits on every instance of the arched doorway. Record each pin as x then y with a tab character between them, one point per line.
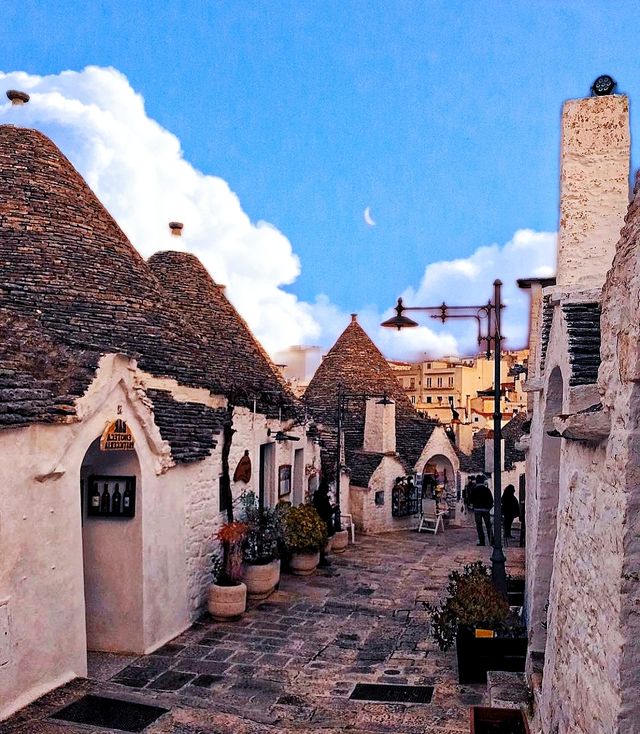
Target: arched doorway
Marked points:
112	549
438	472
547	511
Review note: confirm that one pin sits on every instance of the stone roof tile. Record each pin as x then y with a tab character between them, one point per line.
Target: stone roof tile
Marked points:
189	428
68	266
236	361
69	272
583	330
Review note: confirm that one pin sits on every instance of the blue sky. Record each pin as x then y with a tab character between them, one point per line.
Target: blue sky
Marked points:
440	116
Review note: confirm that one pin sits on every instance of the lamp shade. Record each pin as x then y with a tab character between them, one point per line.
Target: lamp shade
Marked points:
399	321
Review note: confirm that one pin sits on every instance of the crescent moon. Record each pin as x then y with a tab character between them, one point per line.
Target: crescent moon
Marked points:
368	218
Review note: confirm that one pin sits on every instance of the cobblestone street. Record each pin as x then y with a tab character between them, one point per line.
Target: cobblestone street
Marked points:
291	663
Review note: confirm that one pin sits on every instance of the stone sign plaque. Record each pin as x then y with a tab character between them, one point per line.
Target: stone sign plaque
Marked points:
117	437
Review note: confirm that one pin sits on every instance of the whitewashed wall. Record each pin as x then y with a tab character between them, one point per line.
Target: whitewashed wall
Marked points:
42	586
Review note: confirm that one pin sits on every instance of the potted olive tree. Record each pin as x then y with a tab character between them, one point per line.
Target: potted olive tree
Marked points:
261	552
488	636
227	598
305	533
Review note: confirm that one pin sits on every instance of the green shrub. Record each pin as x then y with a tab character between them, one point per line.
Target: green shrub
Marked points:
304	530
264	531
472	601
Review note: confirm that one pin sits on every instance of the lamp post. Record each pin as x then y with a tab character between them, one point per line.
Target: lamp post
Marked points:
488	319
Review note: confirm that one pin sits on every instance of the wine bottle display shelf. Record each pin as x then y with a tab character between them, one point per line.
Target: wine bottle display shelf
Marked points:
110	496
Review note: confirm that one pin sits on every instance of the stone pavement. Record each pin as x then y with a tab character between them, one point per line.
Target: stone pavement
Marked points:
291	663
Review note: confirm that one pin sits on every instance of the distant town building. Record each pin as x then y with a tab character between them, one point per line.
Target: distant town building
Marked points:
462	387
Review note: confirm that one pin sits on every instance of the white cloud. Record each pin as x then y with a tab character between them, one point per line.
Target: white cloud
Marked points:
138	170
469	281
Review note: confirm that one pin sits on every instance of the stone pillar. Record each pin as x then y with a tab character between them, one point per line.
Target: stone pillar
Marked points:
464	436
594	188
380	426
488	453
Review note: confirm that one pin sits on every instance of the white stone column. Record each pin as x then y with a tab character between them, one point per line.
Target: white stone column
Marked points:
594	188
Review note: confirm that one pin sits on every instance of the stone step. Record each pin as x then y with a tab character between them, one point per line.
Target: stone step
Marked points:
507	690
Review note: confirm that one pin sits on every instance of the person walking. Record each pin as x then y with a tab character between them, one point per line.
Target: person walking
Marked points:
510	508
482	501
322	503
468	491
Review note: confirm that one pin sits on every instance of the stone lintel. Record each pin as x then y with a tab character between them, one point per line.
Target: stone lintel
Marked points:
588	425
507	690
563	296
535	384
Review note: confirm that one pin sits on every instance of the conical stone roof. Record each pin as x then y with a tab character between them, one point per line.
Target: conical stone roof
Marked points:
355	363
67	265
78	289
234	358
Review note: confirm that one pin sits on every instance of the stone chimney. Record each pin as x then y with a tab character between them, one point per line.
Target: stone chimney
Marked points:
536	305
176	228
594	188
17	97
488	453
463	433
380	425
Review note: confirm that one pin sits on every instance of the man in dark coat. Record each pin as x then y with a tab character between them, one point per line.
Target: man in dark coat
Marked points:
482	501
468	491
510	508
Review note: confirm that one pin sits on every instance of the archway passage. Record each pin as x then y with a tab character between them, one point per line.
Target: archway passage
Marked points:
438	472
112	549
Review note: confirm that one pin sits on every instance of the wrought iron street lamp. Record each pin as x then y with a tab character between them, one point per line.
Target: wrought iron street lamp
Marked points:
488	319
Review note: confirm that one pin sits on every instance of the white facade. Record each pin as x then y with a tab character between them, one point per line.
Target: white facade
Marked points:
72	583
583	512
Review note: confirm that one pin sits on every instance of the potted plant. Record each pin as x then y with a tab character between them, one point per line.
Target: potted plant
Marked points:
304	535
227	597
340	539
261	553
487	634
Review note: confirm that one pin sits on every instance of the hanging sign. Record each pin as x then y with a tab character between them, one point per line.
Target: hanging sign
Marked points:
117	437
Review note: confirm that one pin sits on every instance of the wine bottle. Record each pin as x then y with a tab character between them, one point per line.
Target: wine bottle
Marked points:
105	502
116	500
94	498
127	500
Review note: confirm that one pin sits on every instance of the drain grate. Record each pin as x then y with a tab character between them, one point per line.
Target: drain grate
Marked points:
110	713
391	693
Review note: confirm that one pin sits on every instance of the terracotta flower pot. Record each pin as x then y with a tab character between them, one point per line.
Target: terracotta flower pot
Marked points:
340	541
261	579
304	564
227	602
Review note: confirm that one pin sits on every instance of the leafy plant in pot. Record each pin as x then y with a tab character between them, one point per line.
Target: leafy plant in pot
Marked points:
227	597
261	551
477	618
305	533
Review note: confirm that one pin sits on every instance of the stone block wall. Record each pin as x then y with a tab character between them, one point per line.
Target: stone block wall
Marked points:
581	684
371	518
200	483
